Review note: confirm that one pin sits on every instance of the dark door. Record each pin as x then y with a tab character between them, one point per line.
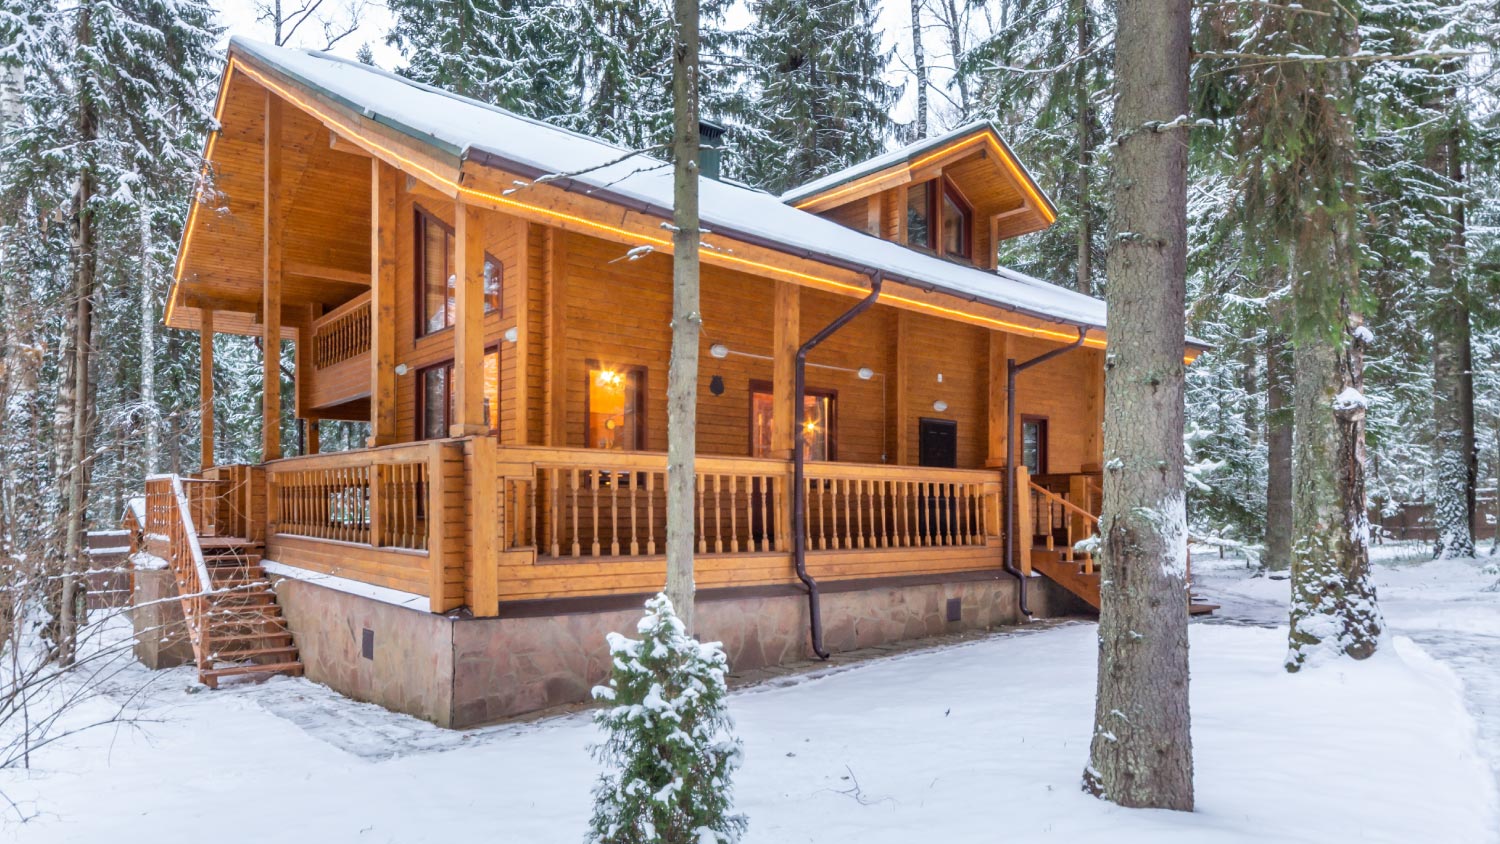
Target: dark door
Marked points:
938	443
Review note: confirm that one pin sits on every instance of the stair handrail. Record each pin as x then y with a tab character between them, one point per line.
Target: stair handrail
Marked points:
194	602
1066	504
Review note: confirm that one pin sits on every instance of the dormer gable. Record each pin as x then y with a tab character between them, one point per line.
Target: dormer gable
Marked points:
956	196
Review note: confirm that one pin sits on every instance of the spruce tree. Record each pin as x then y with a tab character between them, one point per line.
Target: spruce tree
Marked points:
814	99
668	745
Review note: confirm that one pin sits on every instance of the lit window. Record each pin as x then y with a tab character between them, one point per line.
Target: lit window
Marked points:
919	215
438	403
616	408
817	426
957	224
436	293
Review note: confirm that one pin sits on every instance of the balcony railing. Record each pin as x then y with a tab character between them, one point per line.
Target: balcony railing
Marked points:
342	334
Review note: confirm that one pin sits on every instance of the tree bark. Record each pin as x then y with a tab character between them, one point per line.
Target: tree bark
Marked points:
687	322
1278	555
919	62
150	419
1141	751
1085	122
1333	610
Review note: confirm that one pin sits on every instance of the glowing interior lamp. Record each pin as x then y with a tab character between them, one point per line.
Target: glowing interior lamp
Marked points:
865	373
718	351
608	378
810	427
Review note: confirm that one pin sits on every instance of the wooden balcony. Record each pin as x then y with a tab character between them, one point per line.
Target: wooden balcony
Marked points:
466	522
341	354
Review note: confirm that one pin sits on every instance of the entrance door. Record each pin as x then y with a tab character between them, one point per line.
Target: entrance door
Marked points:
938	446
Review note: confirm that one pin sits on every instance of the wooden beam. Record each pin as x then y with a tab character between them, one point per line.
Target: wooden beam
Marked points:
271	272
995	379
314	436
487	517
520	350
786	337
872	214
320	273
206	388
554	428
382	303
1093	411
468	330
902	385
339	144
302	320
209	302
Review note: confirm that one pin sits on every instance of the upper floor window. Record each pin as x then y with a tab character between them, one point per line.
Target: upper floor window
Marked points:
939	218
919	214
616	408
958	224
818	425
437	283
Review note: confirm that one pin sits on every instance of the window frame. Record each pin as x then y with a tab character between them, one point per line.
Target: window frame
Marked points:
421	390
419	265
497	306
966	231
642	412
1041	442
761	387
932	221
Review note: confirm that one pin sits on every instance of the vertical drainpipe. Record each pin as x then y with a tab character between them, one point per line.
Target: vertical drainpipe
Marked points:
1012	369
799	461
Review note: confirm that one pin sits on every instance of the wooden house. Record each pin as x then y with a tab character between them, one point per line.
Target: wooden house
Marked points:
492	295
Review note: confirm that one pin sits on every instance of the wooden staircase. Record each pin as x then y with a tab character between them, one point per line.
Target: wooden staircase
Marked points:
234	623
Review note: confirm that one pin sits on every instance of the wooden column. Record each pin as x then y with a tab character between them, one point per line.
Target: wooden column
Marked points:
1093	411
901	386
302	319
468	330
554	365
995	377
786	336
382	303
519	351
272	221
314	436
206	386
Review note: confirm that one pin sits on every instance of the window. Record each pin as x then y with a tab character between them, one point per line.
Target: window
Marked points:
1034	444
494	283
436	302
436	402
615	404
958	224
919	214
819	426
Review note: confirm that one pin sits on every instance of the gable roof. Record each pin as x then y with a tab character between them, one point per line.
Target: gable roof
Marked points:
488	135
927	148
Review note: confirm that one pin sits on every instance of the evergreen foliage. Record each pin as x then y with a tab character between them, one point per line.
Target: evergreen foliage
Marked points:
669	745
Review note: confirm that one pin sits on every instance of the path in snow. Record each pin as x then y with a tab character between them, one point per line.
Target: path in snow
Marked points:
1444	606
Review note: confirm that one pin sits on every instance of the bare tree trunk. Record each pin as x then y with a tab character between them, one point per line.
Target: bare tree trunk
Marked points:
919	62
1141	752
1278	555
1085	122
150	419
687	322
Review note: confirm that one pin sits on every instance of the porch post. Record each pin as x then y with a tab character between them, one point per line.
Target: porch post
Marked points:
206	387
271	229
520	353
468	332
314	441
303	319
382	303
995	376
786	336
1094	411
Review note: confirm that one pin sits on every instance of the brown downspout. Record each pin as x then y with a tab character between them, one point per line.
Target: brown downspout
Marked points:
799	461
1012	369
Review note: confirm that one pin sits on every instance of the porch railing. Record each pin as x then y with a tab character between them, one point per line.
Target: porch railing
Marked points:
170	507
852	506
343	333
377	497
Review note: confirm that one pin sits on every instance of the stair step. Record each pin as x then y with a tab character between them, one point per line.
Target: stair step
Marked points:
248	637
237	656
211	676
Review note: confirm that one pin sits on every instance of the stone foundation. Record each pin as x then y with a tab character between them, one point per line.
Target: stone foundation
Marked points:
161	639
460	672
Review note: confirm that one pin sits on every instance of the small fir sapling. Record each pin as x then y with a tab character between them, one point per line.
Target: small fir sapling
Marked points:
669	751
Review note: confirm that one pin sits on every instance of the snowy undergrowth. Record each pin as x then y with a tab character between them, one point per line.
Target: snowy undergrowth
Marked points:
978	742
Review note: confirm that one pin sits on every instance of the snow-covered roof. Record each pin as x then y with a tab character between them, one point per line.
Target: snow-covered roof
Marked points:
903	155
474	130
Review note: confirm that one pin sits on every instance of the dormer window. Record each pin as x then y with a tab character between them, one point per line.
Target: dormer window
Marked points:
940	219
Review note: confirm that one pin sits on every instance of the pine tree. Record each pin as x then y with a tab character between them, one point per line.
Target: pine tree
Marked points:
814	100
669	744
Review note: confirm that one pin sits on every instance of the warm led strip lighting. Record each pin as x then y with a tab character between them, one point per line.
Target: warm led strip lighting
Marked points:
1010	164
351	133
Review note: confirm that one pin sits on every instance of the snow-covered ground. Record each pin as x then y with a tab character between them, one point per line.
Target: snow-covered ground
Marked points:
976	742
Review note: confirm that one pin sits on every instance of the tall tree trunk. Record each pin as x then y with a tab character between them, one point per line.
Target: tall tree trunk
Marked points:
687	321
1085	122
919	62
150	419
1453	458
1278	454
75	501
1333	610
1141	752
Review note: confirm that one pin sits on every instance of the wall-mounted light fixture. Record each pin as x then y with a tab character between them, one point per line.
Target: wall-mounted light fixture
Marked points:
511	334
718	351
865	373
940	405
400	369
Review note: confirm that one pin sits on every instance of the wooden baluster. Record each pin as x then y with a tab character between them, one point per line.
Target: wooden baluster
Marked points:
702	522
530	487
765	513
594	479
650	513
554	509
614	515
635	546
718	514
577	548
734	508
